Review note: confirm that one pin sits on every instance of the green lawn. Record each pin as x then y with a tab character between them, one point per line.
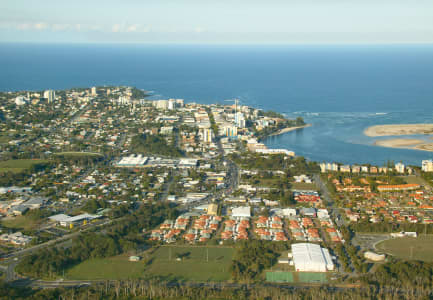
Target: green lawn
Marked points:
161	263
78	154
19	165
419	248
414	179
304	186
20	223
202	264
117	267
4	138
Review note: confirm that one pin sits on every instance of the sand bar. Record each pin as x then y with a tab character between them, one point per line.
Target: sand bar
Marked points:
414	144
398	129
398	143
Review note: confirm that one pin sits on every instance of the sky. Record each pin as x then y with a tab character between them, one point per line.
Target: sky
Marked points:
216	21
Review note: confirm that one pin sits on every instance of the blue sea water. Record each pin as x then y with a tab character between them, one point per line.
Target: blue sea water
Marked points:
341	90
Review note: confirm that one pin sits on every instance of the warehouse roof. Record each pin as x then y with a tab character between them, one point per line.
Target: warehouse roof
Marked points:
311	257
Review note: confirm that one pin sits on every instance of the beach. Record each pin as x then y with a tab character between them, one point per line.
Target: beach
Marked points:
288	129
398	129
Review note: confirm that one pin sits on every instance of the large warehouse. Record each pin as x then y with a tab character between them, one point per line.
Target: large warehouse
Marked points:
311	258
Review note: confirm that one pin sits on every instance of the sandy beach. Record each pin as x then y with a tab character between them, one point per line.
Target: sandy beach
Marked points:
288	129
415	144
398	129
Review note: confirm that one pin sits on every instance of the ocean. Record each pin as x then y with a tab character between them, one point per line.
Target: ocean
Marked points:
339	89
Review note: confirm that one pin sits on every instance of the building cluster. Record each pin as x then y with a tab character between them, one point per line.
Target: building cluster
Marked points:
21	205
16	238
391	215
236	228
140	161
270	228
356	169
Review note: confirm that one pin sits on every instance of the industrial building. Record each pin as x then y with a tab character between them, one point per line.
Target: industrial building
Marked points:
311	258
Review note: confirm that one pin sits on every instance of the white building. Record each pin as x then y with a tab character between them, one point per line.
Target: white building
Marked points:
93	91
50	95
171	104
276	151
207	135
160	104
399	167
427	166
21	100
230	130
311	258
242	211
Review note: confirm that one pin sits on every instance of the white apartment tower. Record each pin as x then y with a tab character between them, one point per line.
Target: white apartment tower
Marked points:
427	166
207	135
50	95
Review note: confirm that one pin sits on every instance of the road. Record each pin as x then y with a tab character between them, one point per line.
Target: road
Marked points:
326	195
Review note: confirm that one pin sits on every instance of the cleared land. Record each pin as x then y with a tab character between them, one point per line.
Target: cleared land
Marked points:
19	165
198	264
399	129
419	248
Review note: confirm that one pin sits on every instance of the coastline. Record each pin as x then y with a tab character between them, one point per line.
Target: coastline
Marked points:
288	129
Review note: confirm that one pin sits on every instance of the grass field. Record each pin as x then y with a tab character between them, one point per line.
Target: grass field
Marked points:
161	263
304	186
19	165
414	179
78	154
20	223
4	139
202	263
118	267
419	248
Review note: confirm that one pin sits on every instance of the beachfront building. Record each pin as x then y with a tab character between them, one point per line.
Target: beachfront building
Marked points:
345	168
427	166
399	168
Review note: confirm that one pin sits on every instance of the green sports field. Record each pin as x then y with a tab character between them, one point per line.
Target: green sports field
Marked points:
201	264
19	165
419	248
117	267
197	264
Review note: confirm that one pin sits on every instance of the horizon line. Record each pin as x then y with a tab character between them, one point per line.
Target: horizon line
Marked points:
225	43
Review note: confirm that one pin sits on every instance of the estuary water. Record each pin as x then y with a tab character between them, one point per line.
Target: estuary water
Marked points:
339	89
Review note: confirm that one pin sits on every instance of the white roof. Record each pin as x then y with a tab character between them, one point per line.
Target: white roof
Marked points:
81	217
243	211
59	217
311	257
